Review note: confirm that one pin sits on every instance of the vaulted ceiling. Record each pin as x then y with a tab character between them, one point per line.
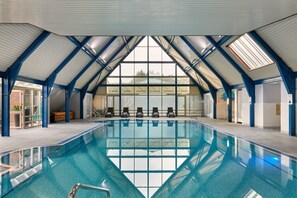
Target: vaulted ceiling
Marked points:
82	62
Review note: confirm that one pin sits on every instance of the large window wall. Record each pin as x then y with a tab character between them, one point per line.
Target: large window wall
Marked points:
149	78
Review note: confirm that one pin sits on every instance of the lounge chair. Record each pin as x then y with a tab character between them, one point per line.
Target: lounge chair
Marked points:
139	113
125	113
109	113
155	113
170	112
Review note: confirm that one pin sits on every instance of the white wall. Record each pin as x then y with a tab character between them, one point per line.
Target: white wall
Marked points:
259	107
267	98
271	97
57	100
222	112
88	105
284	109
74	104
245	107
208	105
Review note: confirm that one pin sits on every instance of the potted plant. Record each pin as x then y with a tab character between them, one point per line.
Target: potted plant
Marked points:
17	115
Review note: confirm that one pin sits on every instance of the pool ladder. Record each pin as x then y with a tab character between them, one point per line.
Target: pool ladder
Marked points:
77	186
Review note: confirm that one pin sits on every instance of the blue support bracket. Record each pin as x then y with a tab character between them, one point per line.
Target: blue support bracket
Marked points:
44	106
248	82
201	89
226	86
106	64
287	75
51	79
10	77
13	71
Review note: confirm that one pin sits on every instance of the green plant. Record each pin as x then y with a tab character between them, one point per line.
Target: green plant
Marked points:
16	108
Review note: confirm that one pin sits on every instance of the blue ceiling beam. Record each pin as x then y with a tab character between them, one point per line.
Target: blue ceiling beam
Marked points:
212	89
13	71
106	64
285	71
225	85
287	75
94	91
86	50
51	79
201	89
248	82
219	43
71	85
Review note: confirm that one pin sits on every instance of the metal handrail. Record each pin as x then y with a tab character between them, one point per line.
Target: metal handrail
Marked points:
77	186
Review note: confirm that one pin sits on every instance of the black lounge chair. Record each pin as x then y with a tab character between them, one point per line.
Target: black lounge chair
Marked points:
125	113
109	113
170	112
155	113
139	113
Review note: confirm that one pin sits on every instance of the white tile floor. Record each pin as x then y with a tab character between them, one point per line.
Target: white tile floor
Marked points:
271	138
58	132
38	136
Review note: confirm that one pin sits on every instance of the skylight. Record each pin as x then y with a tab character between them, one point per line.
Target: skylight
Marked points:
249	53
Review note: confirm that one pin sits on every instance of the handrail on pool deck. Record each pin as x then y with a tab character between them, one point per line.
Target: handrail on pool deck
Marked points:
77	186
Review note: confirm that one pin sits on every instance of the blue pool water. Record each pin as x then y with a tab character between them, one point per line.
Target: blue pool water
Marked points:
150	159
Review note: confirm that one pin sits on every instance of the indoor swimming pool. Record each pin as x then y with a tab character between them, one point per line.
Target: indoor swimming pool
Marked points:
145	158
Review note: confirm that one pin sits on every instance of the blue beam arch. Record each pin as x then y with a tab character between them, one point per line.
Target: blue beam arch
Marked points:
71	85
248	82
227	88
85	87
9	78
287	75
49	82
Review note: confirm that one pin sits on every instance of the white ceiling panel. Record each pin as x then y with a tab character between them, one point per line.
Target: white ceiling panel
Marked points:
197	78
268	71
281	37
209	75
184	49
47	57
130	17
15	39
89	73
97	80
114	46
79	61
223	67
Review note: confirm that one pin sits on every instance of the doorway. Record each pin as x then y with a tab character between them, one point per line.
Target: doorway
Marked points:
25	108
